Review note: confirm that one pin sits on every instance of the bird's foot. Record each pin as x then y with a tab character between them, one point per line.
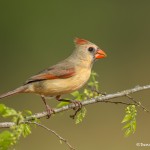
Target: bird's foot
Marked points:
49	111
76	103
77	108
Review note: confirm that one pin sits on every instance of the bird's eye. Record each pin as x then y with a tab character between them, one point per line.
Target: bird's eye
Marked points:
91	49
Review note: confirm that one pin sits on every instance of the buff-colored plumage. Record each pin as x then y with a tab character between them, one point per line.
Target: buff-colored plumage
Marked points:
61	86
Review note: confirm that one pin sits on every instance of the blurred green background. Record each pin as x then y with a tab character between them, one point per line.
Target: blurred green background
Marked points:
37	34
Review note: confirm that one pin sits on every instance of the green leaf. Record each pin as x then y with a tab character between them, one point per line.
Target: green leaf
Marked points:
6	111
61	104
26	130
130	120
126	126
128	132
2	108
28	112
126	118
81	115
10	138
134	126
7	140
91	83
75	94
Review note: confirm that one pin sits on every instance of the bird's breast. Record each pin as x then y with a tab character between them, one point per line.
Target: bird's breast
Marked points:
62	86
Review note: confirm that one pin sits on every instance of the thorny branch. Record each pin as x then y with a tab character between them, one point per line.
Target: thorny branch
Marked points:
52	131
105	98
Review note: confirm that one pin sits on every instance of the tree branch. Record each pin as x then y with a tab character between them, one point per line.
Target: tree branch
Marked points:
52	131
104	98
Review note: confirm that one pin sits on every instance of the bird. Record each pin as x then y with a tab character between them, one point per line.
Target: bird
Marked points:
65	77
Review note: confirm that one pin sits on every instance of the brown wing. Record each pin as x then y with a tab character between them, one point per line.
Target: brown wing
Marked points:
59	71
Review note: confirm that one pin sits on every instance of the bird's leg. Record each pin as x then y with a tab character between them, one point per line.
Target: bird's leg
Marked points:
48	108
75	102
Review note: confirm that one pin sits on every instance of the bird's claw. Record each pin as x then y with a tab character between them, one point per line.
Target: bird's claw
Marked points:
50	111
77	104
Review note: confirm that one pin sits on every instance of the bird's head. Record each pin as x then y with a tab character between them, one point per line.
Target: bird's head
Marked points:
88	51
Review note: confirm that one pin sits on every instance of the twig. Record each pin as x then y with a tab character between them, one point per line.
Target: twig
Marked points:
137	103
104	98
52	131
118	102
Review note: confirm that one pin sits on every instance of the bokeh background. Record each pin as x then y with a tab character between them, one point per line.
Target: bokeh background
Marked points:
37	34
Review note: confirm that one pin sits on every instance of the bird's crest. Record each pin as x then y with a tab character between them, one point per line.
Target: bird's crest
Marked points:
79	41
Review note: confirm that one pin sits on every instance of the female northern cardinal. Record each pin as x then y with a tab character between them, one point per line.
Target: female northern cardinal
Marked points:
64	77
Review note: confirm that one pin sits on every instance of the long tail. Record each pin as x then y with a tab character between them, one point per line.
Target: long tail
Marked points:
16	91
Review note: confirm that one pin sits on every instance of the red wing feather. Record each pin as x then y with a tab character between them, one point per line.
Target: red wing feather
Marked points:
52	74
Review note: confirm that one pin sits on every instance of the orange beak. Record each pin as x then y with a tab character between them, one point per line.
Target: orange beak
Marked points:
100	54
